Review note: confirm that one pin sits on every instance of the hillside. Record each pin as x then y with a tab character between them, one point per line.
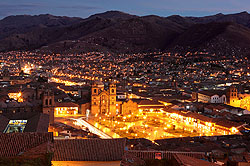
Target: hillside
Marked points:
223	38
119	32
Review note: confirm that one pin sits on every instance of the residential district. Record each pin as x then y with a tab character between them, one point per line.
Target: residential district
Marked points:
130	109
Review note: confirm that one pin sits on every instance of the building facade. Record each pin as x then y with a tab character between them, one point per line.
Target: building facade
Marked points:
238	100
103	101
212	96
48	104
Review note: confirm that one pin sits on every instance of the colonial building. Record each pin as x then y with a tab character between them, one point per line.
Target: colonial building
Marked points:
238	100
212	96
65	108
106	101
48	104
205	123
232	95
103	101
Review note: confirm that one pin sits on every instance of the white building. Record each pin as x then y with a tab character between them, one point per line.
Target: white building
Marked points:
212	96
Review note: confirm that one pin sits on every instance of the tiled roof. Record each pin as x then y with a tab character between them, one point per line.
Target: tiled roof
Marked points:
247	157
39	150
213	92
66	104
13	144
89	149
226	123
214	106
148	102
43	123
191	161
3	123
153	107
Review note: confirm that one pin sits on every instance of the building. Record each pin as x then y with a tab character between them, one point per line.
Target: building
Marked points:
89	149
26	148
238	100
103	101
24	122
150	106
107	102
84	107
65	108
48	104
222	126
15	94
212	96
232	95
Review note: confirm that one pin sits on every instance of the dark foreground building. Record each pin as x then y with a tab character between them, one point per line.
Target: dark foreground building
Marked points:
24	122
26	149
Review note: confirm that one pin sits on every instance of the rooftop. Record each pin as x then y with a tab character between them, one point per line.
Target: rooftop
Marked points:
89	149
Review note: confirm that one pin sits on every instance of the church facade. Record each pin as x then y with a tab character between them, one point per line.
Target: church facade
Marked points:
238	100
103	101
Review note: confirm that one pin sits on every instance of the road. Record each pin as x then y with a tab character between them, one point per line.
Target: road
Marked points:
92	129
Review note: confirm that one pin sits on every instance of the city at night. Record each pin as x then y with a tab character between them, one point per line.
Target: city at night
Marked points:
133	83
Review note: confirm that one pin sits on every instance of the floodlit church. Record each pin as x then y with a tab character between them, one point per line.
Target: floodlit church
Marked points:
238	100
103	101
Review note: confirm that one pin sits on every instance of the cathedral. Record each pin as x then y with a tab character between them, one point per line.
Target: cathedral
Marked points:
238	100
103	101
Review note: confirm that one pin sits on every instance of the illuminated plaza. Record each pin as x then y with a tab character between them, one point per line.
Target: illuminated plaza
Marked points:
151	126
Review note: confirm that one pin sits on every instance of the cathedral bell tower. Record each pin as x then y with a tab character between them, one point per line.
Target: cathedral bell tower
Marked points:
112	99
96	88
48	104
232	95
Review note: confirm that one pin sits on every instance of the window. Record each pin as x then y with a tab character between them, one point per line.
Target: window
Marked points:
94	90
50	101
46	102
113	91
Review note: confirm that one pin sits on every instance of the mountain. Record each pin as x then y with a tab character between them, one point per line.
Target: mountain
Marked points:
25	23
119	32
110	31
222	38
242	18
112	15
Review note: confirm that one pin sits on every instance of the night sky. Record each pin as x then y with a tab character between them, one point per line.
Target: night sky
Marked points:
85	8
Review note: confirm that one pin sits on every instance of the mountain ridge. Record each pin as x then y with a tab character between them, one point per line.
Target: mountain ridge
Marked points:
119	32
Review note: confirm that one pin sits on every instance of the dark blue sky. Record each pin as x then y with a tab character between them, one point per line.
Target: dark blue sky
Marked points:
84	8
